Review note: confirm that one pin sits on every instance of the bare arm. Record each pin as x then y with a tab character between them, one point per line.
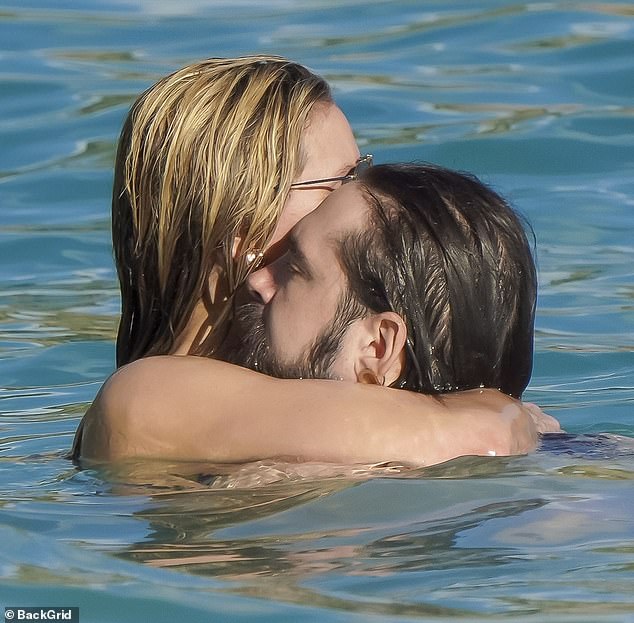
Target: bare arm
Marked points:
191	408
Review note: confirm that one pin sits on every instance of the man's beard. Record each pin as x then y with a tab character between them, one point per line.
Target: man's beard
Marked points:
254	350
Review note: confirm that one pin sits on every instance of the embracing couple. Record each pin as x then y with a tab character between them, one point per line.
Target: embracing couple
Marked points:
375	313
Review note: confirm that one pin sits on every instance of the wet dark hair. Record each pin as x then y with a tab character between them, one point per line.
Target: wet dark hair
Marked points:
452	258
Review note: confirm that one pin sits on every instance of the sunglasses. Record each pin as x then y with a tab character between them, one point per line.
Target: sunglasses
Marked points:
362	164
254	257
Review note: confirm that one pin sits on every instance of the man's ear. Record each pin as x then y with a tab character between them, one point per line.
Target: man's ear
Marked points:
383	348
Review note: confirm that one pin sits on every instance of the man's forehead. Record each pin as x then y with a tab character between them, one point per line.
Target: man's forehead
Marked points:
313	243
344	210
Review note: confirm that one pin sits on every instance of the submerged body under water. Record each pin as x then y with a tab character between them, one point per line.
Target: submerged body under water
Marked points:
598	447
536	99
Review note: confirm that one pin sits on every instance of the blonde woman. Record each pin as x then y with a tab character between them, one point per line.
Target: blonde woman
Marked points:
216	163
204	182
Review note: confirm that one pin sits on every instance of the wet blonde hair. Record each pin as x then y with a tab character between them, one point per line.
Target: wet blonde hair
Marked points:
206	154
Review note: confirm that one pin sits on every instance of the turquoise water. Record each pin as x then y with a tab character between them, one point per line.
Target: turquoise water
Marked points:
537	99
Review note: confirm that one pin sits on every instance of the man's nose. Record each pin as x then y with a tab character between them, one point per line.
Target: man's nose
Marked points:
261	284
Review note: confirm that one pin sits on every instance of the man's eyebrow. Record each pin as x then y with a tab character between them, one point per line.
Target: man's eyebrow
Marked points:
298	257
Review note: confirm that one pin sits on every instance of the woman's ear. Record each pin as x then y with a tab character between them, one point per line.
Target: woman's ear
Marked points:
383	348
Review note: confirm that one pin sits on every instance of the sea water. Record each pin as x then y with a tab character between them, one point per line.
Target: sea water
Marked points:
537	98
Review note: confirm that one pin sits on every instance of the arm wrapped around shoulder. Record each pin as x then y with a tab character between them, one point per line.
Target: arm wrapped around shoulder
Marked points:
193	408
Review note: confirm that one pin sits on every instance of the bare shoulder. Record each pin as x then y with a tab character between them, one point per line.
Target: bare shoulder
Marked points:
168	406
103	433
109	429
151	381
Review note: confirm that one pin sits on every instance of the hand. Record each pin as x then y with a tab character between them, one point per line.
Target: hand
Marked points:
544	423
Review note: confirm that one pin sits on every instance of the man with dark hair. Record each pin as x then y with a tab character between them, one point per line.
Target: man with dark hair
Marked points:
433	259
